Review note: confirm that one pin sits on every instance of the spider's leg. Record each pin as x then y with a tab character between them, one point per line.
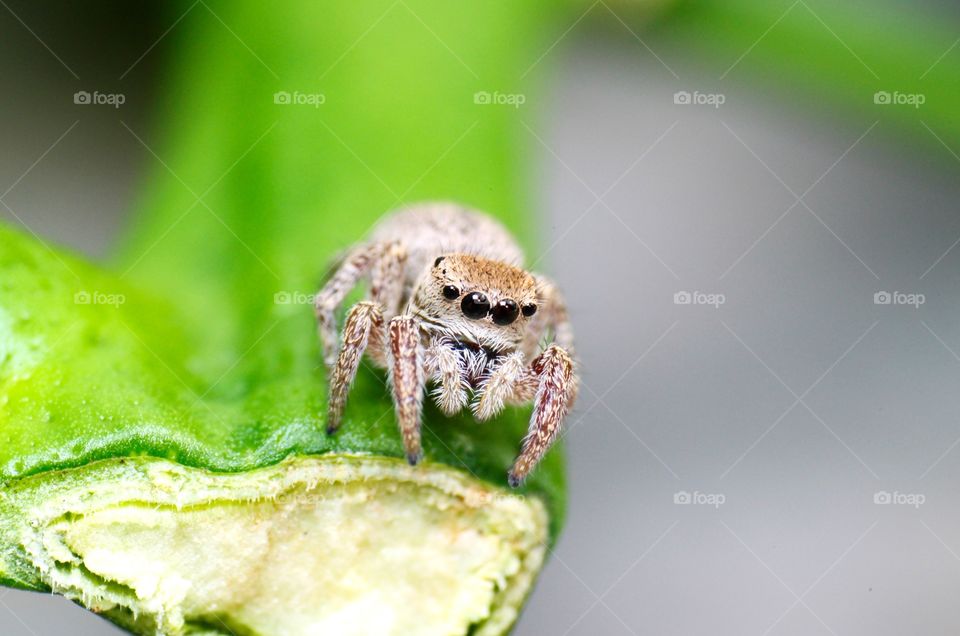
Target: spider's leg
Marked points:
552	315
550	381
364	326
387	277
331	295
405	364
500	386
386	289
446	365
356	264
536	332
556	393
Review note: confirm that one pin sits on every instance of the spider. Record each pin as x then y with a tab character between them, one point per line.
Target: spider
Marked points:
448	305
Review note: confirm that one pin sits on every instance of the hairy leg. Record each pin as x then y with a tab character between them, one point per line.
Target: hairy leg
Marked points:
386	290
498	389
405	364
387	276
363	327
556	393
552	315
445	364
354	267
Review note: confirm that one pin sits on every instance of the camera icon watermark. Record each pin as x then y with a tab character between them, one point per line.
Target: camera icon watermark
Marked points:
896	498
96	98
899	298
896	98
496	98
696	98
697	498
85	297
296	98
699	298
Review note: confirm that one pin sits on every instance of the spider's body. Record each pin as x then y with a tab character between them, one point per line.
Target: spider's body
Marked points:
449	304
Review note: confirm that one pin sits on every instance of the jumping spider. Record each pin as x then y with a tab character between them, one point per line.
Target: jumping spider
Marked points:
448	304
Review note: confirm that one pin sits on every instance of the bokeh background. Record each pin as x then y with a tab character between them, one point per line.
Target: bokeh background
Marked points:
778	456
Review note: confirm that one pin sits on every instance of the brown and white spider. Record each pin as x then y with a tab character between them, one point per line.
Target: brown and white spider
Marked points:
448	304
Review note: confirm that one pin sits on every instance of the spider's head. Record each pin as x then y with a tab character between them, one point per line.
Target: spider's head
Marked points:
478	300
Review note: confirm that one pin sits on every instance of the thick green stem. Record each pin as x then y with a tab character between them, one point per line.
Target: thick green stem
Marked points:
249	202
190	377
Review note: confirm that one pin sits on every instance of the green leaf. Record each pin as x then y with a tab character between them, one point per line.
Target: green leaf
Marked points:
160	402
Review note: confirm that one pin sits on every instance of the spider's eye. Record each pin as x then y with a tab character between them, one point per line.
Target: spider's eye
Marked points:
529	310
450	292
505	312
475	305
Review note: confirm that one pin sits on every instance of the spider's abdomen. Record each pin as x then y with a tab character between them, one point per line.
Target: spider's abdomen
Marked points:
429	230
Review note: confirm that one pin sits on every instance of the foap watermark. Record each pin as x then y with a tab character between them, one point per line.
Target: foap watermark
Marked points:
896	98
85	297
699	298
293	298
899	298
477	498
696	98
300	498
296	98
96	98
896	498
496	98
697	498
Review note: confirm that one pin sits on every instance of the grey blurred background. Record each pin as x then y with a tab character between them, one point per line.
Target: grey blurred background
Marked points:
782	402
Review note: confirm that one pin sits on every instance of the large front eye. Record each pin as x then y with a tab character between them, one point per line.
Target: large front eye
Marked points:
475	305
505	312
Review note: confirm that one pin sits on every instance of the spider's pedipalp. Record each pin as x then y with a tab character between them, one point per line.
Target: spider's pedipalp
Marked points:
446	365
363	327
405	364
499	386
556	393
